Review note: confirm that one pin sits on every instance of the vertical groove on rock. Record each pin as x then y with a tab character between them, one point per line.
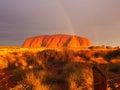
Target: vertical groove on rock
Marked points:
31	42
58	44
52	38
67	42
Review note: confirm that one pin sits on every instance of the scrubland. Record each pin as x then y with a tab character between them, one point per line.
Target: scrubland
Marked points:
57	68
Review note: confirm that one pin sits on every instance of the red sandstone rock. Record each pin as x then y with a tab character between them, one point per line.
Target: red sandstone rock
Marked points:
58	40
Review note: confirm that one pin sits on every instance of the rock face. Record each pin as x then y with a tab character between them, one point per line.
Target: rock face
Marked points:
58	40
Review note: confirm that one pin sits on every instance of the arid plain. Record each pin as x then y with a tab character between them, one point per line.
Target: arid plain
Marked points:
83	68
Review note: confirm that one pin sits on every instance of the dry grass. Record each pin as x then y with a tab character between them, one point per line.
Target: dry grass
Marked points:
36	81
48	68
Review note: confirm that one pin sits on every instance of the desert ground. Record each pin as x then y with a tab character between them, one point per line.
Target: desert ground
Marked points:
84	68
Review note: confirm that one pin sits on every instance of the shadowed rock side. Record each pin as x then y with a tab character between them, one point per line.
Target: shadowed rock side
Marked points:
59	40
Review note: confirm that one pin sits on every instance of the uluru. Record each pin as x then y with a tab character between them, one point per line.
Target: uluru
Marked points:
57	40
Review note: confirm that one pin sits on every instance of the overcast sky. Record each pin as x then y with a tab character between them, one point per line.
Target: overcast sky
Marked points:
98	20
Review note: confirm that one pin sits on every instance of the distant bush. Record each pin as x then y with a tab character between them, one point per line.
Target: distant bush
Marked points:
112	54
100	47
52	58
83	55
96	47
30	58
98	54
11	66
114	68
19	73
109	47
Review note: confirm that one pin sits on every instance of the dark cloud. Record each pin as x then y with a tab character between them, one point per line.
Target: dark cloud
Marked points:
95	19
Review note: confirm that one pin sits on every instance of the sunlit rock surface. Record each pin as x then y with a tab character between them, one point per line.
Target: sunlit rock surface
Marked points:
58	40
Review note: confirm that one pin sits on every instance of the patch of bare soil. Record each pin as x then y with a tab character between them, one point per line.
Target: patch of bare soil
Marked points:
113	81
7	80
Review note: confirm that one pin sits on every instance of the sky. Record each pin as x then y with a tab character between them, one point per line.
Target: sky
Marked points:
97	20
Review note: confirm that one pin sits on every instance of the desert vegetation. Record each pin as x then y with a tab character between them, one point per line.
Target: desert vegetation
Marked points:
56	69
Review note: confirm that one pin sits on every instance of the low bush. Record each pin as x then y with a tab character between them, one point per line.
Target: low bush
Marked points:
11	65
35	81
83	55
19	73
74	75
112	54
114	68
